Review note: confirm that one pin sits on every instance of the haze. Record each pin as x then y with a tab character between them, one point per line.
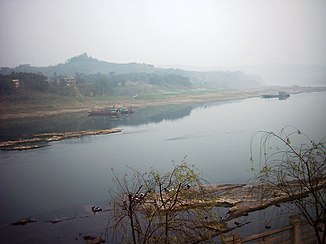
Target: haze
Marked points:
169	32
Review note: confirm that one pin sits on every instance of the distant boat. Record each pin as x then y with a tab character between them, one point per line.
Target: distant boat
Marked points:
126	110
112	111
281	95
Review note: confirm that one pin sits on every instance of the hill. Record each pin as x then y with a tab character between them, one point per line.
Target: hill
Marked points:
86	65
289	74
276	74
136	73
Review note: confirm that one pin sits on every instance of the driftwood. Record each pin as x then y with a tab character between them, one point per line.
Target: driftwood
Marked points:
24	221
42	140
239	198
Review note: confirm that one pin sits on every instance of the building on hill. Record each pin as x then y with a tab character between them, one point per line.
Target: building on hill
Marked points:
16	83
70	82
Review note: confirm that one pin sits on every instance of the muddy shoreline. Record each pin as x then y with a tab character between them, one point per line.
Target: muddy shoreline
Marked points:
238	199
42	140
19	111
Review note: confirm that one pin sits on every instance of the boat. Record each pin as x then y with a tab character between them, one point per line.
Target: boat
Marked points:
126	110
281	95
111	111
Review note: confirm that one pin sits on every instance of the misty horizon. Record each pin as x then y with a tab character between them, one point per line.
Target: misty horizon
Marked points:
170	33
173	66
204	68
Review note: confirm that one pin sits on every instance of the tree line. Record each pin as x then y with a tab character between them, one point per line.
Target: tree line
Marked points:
83	84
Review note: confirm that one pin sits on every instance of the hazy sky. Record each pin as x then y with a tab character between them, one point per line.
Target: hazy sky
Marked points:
164	32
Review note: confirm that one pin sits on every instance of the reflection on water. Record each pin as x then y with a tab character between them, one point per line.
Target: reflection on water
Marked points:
215	136
25	128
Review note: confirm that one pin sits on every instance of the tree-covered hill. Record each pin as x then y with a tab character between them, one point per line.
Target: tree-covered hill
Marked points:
95	77
84	64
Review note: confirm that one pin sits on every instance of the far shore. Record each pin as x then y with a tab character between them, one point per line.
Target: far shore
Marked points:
20	110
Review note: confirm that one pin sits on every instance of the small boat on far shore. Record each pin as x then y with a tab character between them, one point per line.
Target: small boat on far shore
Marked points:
126	110
281	95
112	111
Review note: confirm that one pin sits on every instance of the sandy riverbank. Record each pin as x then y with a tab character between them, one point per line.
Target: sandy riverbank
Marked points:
42	140
16	110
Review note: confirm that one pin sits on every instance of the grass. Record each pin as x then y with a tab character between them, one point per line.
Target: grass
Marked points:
40	104
109	98
169	94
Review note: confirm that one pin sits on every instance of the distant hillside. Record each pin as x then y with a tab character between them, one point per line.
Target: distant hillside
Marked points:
288	74
272	74
224	79
86	66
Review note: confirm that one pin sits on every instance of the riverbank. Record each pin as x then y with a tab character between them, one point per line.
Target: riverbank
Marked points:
42	140
62	169
45	107
232	200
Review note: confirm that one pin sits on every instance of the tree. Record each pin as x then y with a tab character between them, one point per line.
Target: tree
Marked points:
32	81
153	207
7	86
298	171
25	82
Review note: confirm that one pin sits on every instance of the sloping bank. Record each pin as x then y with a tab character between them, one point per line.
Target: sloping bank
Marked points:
239	199
26	109
42	140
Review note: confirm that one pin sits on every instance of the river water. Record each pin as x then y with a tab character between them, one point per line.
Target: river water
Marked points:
77	172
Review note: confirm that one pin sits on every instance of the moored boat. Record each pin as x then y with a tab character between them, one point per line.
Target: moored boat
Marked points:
112	111
280	95
106	111
126	110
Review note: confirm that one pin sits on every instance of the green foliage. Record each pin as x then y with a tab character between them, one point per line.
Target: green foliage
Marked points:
148	207
7	87
94	84
99	78
293	164
25	81
134	72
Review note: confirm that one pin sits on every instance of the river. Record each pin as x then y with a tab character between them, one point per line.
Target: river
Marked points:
77	172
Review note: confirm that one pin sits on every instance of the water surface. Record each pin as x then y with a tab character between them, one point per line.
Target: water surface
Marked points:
75	172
